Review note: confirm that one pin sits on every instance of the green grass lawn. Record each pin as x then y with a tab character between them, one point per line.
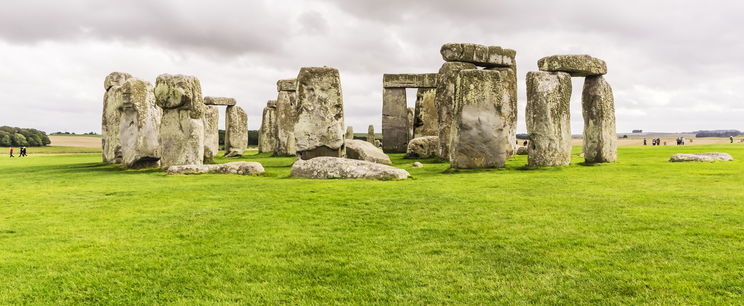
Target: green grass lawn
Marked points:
642	230
49	150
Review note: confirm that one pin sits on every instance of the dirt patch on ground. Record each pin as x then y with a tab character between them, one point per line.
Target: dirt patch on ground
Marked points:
76	141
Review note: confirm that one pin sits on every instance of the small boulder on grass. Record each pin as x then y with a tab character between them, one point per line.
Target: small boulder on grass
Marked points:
343	168
701	157
242	168
418	165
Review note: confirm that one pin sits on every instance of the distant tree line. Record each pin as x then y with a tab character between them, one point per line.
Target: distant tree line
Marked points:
73	133
717	133
18	137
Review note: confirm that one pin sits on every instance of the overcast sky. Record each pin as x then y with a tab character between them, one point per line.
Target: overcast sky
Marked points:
674	65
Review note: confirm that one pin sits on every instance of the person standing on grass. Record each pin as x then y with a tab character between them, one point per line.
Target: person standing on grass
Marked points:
644	141
731	138
23	151
11	152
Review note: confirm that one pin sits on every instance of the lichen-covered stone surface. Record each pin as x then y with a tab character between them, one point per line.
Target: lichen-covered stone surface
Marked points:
423	147
549	118
182	125
411	117
483	56
371	134
267	133
319	130
115	79
139	125
286	117
112	100
236	131
349	133
219	101
445	101
701	157
576	65
325	167
394	120
600	134
362	150
286	85
211	133
522	151
426	122
483	120
241	168
424	80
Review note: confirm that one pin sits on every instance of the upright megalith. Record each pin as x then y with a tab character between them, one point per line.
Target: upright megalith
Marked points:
349	133
211	132
139	126
267	133
411	118
576	65
483	119
112	100
182	124
286	116
598	104
445	102
394	120
236	131
425	122
548	118
371	134
319	130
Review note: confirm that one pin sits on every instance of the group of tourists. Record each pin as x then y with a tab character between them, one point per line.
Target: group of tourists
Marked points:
22	152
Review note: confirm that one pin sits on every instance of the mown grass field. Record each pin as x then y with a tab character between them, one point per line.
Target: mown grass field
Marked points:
642	230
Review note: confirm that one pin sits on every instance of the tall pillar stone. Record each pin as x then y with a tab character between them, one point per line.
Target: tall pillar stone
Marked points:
394	120
425	121
445	102
236	131
548	118
182	125
286	116
482	119
411	118
371	134
267	136
600	134
349	133
211	133
139	127
112	99
319	130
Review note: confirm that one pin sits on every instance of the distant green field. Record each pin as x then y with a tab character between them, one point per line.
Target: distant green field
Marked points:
642	230
51	150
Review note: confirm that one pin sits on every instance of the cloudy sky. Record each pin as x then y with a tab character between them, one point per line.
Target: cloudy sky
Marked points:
674	65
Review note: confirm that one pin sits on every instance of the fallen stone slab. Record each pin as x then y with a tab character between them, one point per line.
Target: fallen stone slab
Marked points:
242	168
701	157
362	150
325	167
576	65
480	55
522	150
423	147
219	101
410	80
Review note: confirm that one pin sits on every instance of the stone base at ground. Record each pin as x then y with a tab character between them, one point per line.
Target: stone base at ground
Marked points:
701	157
362	150
242	168
341	168
423	147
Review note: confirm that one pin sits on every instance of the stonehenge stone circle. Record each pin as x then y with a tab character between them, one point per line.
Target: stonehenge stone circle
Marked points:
423	147
182	125
576	65
325	167
371	134
139	127
242	168
483	119
286	116
266	135
701	157
445	102
319	130
110	142
426	122
548	118
483	56
598	104
211	132
362	150
219	101
349	133
236	131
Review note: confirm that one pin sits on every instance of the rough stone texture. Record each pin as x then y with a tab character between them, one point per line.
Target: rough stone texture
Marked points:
423	147
319	130
425	80
600	134
236	131
349	133
242	168
411	117
445	102
483	56
291	144
701	157
576	65
325	167
139	126
219	101
267	133
112	100
371	134
483	120
211	133
522	150
286	117
417	165
549	118
394	120
362	150
286	85
425	122
182	125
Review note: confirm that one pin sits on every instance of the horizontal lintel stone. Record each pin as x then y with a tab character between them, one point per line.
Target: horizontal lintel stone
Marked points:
219	101
422	80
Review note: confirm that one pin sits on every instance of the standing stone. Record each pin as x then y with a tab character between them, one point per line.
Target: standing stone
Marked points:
349	133
139	127
286	116
482	121
548	118
211	133
600	135
394	120
110	143
411	118
266	136
182	125
319	130
511	82
371	134
291	144
445	101
236	131
425	122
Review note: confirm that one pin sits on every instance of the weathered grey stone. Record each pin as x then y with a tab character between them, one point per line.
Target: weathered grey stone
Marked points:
576	65
701	157
483	119
362	150
139	126
411	117
426	122
286	117
219	101
236	131
371	134
242	168
417	165
394	120
286	85
445	101
266	135
291	144
325	167
112	100
484	56
182	125
423	147
600	134
548	118
349	133
522	150
319	130
211	133
424	80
